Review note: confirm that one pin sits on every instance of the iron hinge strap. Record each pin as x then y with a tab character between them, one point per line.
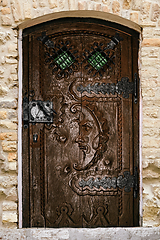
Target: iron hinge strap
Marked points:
123	87
126	181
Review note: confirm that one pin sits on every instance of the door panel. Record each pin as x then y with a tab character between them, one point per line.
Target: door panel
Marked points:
75	168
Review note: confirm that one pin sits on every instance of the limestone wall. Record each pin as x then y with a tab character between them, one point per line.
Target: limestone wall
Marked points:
145	13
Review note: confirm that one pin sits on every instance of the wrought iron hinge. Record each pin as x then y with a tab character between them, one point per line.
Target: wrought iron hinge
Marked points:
37	111
126	181
123	87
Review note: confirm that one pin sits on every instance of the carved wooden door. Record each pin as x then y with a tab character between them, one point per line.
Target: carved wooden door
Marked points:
80	125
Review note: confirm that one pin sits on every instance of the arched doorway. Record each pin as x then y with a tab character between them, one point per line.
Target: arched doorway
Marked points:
80	124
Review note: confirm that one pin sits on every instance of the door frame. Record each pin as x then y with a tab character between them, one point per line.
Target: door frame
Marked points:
85	14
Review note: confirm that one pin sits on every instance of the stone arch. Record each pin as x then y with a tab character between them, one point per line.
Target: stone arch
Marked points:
82	14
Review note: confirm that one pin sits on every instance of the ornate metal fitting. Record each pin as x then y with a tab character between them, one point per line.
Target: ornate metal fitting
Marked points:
60	58
123	87
37	111
127	181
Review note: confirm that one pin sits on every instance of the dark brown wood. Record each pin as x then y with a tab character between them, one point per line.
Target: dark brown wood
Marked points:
93	135
25	145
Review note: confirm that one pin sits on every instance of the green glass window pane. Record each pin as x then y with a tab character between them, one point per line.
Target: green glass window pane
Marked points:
64	60
97	60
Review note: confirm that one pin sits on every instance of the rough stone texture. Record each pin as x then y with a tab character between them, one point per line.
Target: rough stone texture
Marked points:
134	16
147	14
5	10
126	4
6	20
136	4
80	234
155	12
16	9
149	42
116	7
53	3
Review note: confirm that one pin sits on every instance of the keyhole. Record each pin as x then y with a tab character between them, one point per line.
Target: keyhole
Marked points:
35	137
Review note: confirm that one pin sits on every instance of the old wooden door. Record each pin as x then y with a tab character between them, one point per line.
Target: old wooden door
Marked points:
80	125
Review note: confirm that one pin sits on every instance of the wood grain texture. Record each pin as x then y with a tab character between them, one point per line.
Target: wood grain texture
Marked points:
93	135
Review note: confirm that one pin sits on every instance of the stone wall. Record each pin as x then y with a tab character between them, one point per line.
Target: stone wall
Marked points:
146	13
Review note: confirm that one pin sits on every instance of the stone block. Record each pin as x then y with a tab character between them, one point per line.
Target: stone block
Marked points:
5	10
149	75
151	132
151	112
12	48
150	174
12	156
13	69
27	10
148	92
155	12
9	206
3	91
9	146
98	7
72	5
6	20
4	3
8	125
145	11
42	3
16	10
126	4
8	103
136	4
53	3
125	14
151	123
12	114
151	153
12	166
8	181
157	163
3	115
34	3
134	17
147	24
10	60
150	52
62	4
105	9
9	217
82	5
11	194
116	7
9	136
151	62
150	142
1	69
12	78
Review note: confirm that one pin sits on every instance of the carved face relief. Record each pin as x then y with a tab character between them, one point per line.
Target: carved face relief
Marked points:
88	136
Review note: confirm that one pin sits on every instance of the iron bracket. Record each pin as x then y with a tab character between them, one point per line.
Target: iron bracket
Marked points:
37	111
